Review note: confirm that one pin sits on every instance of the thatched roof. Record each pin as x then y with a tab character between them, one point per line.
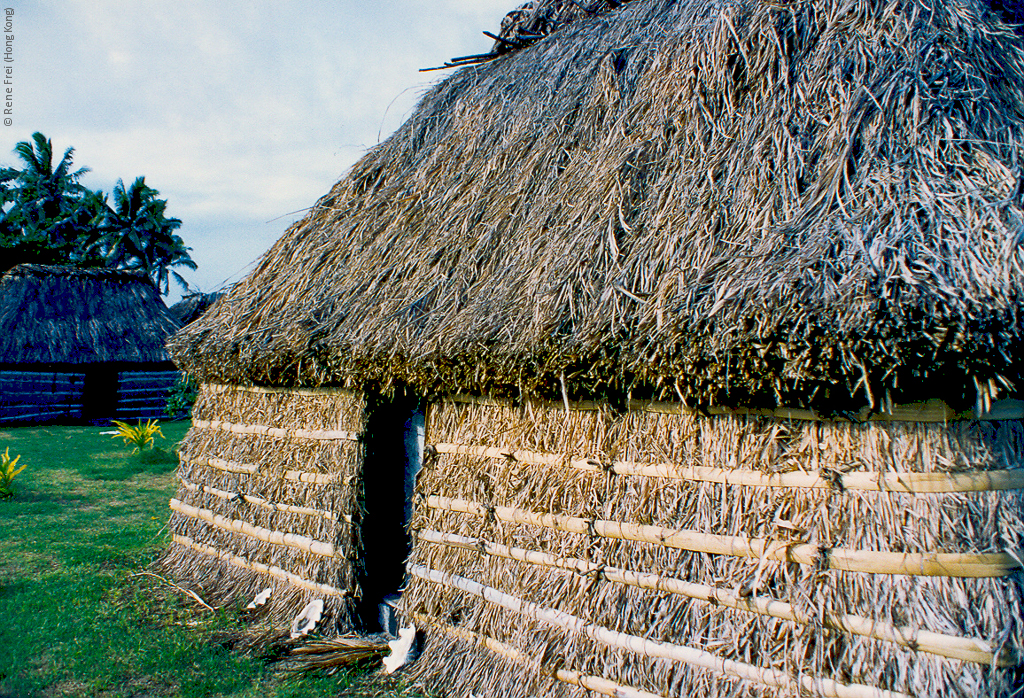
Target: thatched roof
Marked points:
532	21
65	315
192	306
737	201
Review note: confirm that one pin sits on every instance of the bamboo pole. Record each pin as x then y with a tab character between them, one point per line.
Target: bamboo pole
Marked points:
870	561
531	457
258	501
270	570
253	469
592	683
913	483
951	646
260	390
310	478
291	540
927	412
263	430
650	648
226	465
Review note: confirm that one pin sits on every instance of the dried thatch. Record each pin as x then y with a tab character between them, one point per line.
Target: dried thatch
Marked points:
543	558
66	316
732	202
275	507
531	22
811	203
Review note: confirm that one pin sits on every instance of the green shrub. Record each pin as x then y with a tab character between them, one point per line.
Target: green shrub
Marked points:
138	436
182	397
8	469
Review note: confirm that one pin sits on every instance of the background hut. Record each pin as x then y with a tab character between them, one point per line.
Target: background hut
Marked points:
82	344
714	313
192	306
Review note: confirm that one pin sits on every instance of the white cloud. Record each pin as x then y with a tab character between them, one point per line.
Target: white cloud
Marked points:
238	112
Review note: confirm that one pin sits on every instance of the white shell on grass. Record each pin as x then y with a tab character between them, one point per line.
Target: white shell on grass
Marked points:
261	598
400	649
307	619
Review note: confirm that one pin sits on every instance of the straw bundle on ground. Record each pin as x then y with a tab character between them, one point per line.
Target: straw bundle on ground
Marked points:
682	586
276	507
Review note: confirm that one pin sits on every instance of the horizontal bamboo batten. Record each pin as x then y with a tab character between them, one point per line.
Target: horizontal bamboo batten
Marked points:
929	411
912	483
266	535
651	648
263	430
310	478
226	465
258	501
253	469
270	570
966	649
874	562
575	678
259	390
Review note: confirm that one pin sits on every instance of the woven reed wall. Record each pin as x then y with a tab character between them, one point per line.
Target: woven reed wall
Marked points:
40	396
53	396
269	497
683	555
143	394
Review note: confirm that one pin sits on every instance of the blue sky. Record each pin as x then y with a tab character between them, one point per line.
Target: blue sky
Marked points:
241	114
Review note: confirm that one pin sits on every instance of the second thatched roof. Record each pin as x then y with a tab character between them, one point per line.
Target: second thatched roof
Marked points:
68	316
729	202
192	306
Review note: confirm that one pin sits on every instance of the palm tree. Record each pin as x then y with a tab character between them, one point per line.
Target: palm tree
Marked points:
43	194
45	209
138	235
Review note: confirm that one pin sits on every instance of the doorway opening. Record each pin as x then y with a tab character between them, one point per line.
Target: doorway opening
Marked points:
395	430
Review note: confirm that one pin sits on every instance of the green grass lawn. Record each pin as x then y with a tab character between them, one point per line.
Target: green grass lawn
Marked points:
77	617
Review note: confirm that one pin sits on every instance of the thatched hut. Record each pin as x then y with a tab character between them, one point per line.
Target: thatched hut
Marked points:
713	311
192	306
82	345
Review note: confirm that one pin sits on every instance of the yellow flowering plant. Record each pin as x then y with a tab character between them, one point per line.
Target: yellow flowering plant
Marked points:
8	469
139	436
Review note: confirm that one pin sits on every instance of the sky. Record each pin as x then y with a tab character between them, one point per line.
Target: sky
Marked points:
241	114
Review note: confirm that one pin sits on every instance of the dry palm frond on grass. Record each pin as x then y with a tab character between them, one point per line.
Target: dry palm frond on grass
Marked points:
332	654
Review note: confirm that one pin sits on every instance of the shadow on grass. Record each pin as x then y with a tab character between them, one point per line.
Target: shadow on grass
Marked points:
156	461
12	589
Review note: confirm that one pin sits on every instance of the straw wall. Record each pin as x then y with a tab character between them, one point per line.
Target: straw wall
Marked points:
268	496
644	554
64	396
40	396
143	394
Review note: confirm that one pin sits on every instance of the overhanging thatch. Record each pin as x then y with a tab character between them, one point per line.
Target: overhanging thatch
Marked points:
729	202
52	315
